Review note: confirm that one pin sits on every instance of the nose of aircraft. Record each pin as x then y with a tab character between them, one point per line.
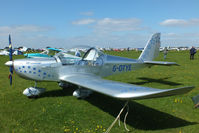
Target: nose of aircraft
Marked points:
9	63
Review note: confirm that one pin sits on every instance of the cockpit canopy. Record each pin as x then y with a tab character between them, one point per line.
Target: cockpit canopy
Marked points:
92	56
68	58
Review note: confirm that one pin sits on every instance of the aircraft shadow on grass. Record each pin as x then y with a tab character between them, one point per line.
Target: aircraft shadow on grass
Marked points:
152	80
59	92
139	117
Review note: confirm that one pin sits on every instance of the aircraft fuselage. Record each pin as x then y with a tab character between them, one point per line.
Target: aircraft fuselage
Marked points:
51	68
38	69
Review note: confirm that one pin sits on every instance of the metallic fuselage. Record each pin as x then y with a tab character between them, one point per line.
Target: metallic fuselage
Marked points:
50	69
38	69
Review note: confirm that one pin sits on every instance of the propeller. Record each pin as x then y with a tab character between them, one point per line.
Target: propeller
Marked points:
10	57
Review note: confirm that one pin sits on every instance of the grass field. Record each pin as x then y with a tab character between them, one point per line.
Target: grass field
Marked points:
57	111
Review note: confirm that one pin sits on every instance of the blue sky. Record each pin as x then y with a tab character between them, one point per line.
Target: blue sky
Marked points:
103	23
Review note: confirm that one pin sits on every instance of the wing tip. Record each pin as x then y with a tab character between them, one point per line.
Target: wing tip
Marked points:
163	93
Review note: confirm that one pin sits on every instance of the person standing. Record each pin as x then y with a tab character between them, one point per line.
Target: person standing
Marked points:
165	52
192	53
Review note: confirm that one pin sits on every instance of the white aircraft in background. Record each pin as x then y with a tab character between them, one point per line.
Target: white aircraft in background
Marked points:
88	72
23	49
4	52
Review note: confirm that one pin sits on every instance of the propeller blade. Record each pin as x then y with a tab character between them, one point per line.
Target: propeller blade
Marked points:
10	75
10	56
10	48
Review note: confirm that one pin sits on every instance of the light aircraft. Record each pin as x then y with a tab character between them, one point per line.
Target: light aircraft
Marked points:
17	52
4	52
23	49
33	55
45	53
88	72
14	52
36	55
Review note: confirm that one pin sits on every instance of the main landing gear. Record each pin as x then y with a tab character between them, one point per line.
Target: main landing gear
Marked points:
33	92
82	93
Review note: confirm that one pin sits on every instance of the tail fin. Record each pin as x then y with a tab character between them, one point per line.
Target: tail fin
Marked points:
151	50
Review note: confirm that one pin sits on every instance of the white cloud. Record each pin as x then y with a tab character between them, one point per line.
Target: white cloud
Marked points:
180	22
89	13
33	36
5	30
107	25
115	25
180	39
101	40
107	40
26	35
83	21
181	35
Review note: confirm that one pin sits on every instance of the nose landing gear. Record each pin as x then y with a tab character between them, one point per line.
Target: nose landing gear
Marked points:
33	92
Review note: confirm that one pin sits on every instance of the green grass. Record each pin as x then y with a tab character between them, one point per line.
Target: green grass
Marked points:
58	111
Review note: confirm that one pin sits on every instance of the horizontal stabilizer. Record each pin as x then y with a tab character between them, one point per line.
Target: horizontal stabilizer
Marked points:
121	90
160	63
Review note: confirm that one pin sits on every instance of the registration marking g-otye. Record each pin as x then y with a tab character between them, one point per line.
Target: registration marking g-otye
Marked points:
122	68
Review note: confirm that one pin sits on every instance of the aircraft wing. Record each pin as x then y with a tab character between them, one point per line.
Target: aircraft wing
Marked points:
120	90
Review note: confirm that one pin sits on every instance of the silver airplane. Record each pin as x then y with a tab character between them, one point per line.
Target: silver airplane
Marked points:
88	72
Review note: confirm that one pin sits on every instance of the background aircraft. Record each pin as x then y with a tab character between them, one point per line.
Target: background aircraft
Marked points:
33	55
14	52
45	53
88	71
4	52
